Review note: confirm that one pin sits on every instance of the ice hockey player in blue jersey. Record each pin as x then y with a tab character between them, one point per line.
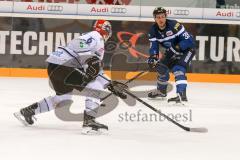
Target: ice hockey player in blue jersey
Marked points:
179	50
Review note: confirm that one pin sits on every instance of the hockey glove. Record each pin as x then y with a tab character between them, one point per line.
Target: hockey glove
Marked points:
117	89
94	66
152	62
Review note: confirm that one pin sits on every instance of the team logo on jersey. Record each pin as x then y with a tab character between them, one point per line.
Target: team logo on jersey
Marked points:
169	33
82	43
176	27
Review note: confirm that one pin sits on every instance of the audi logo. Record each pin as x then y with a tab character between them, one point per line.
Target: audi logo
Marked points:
180	12
118	10
54	8
238	14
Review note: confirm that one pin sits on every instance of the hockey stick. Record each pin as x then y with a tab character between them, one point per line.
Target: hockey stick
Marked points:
130	80
201	129
189	129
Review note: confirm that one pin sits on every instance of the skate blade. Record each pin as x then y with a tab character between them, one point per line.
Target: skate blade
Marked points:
20	118
90	131
158	98
186	104
179	104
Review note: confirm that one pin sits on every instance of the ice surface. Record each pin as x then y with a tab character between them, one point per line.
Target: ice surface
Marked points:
215	106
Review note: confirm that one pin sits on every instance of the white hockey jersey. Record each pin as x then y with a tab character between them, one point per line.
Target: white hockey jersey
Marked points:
79	50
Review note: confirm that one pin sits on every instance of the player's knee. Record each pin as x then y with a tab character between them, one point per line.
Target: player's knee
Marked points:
179	72
180	78
92	102
163	77
51	102
163	73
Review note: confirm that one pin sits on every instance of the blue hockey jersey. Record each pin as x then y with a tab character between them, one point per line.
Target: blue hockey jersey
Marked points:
173	34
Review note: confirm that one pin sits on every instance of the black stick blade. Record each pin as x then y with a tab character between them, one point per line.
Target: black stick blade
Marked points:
201	130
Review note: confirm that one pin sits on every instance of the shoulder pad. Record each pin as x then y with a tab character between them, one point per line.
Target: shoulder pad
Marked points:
177	26
173	25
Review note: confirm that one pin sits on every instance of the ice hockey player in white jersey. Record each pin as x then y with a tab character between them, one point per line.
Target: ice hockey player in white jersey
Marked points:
76	66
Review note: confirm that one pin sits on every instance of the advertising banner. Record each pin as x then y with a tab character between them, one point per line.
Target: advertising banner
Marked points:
30	41
118	9
164	3
45	8
175	12
225	14
109	10
6	6
228	10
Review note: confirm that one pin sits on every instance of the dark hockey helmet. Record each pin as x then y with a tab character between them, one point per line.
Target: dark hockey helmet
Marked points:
159	10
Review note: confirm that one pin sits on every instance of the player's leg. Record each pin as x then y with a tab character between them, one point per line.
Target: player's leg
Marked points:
181	84
56	74
179	71
92	104
162	83
45	105
162	79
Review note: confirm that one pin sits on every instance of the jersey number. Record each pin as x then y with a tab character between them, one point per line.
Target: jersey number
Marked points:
186	35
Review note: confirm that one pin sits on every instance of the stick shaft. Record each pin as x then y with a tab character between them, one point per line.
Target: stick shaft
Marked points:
154	109
203	130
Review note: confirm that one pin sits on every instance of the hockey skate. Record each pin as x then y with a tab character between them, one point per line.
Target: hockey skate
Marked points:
26	115
181	98
157	94
92	127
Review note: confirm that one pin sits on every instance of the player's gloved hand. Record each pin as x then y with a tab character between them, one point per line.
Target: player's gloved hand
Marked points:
94	66
152	61
174	52
117	89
